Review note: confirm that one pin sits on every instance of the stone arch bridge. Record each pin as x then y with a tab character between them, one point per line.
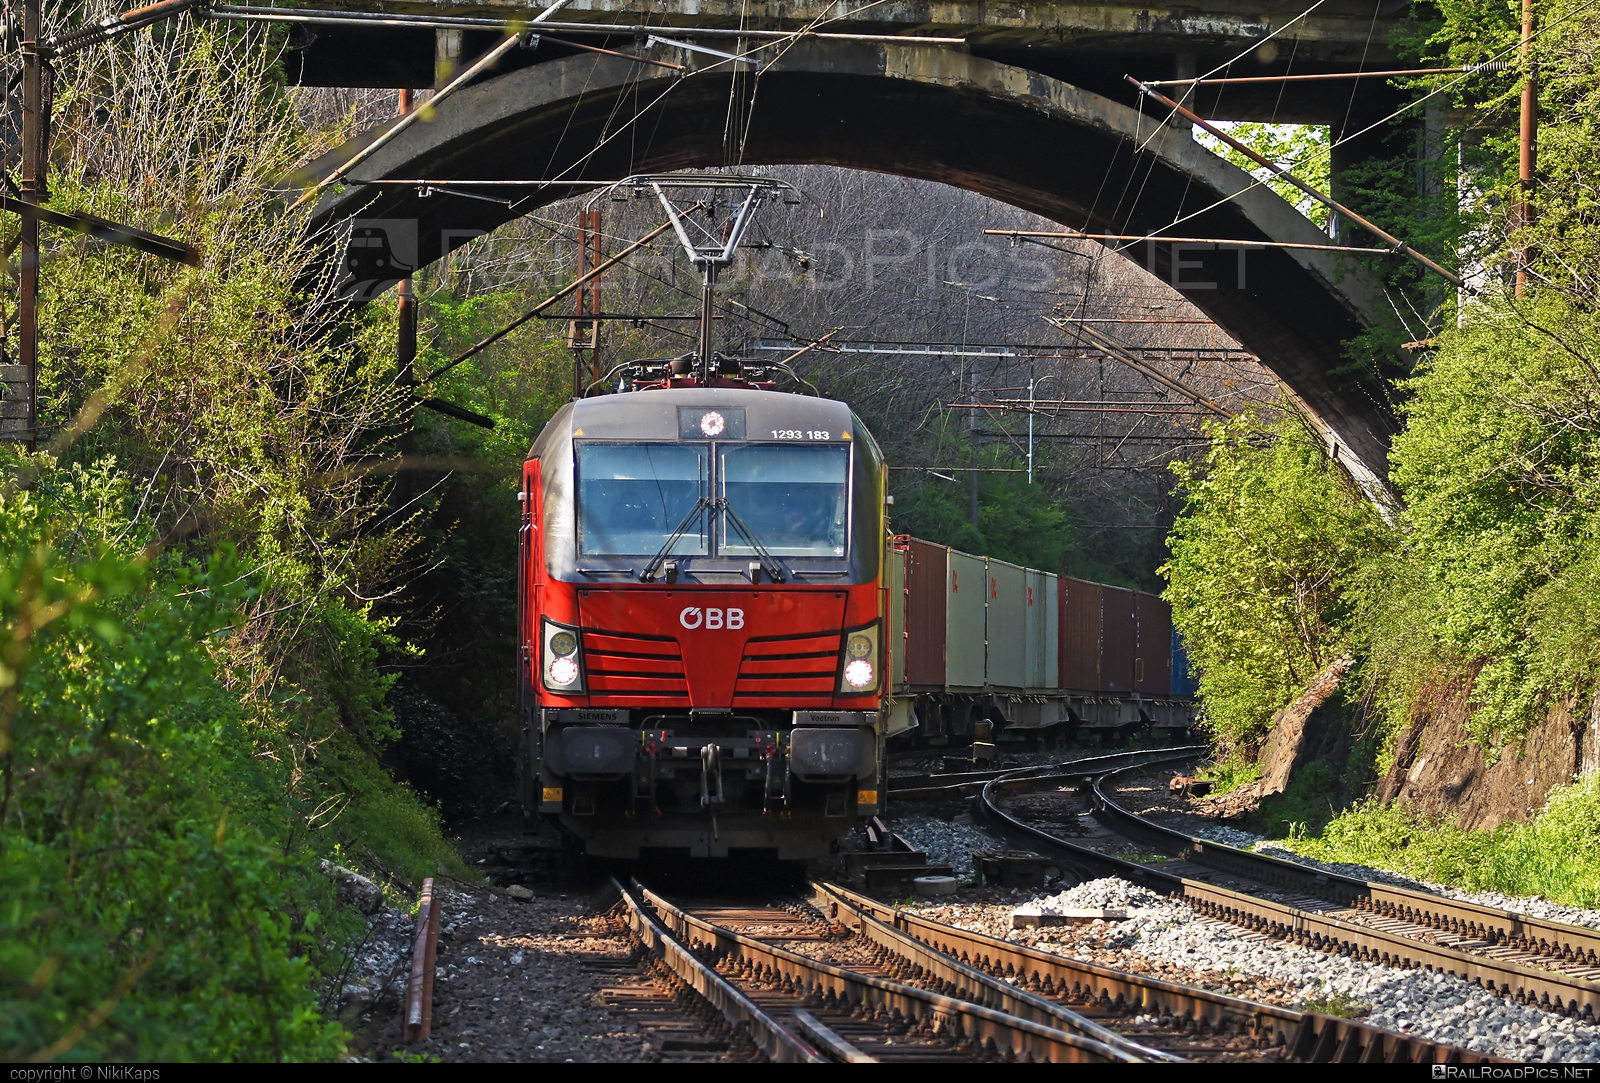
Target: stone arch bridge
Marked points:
1032	111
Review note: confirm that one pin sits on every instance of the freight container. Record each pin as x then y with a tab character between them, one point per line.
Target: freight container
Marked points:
1043	632
965	630
895	559
1079	640
1152	663
927	575
1006	669
1185	682
1117	639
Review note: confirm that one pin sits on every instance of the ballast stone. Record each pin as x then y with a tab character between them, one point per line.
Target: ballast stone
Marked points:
1026	917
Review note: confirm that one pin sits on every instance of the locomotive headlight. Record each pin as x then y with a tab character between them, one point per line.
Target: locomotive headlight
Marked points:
563	671
858	666
561	662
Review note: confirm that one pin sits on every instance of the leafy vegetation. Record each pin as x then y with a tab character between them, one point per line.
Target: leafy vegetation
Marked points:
193	675
1337	1004
1487	577
1556	854
1302	149
1264	573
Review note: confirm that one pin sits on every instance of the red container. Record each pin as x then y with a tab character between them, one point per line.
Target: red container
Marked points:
1152	662
1118	646
1079	638
926	568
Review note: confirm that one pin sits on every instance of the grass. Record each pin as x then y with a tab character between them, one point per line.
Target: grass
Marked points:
1339	1005
1230	773
1306	806
1555	855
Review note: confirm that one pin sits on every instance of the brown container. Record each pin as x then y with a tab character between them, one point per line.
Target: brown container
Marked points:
1117	640
1078	641
926	568
1152	660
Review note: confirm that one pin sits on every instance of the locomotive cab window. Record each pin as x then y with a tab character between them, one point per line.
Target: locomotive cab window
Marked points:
631	497
794	499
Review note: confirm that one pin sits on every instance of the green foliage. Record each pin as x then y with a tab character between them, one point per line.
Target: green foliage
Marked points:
187	733
1264	568
1500	464
146	913
1230	772
1018	522
1308	803
1339	1005
1556	855
1302	149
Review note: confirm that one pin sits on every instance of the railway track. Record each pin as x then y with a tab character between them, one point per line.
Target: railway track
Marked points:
841	977
1534	961
934	786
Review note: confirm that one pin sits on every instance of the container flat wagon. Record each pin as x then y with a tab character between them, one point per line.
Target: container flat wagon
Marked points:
978	642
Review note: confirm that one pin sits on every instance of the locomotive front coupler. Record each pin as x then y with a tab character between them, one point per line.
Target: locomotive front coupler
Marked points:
711	796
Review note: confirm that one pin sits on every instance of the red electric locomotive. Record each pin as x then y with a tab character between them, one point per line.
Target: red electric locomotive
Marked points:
702	622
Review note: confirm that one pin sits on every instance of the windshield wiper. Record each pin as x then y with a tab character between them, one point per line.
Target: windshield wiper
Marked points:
768	565
773	569
653	569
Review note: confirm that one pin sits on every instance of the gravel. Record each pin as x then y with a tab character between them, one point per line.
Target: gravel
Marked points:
946	842
1173	941
376	973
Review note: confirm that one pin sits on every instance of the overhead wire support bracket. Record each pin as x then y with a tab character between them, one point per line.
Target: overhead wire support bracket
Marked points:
325	17
1119	353
1486	68
1397	245
515	34
152	244
84	36
726	57
1137	238
533	313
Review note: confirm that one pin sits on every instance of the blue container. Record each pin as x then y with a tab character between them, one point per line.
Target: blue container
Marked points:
1185	682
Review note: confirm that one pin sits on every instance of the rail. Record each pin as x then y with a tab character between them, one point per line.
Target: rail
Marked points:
1015	1037
1305	1036
424	956
1552	990
739	1010
921	786
1560	943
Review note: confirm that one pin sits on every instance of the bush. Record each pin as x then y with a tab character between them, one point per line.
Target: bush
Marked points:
1264	569
1497	464
146	914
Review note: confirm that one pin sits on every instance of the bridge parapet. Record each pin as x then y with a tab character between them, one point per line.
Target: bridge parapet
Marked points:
1091	45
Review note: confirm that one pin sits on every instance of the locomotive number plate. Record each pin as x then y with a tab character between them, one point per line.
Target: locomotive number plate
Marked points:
801	434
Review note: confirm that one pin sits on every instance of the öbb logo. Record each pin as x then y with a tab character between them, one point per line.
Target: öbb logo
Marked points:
712	619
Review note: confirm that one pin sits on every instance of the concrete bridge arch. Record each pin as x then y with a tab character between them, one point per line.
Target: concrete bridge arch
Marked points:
1055	149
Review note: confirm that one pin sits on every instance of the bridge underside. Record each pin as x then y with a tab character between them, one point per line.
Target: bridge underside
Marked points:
1060	151
1090	45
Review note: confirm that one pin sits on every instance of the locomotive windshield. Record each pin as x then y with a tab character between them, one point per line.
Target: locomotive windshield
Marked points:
631	497
791	500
